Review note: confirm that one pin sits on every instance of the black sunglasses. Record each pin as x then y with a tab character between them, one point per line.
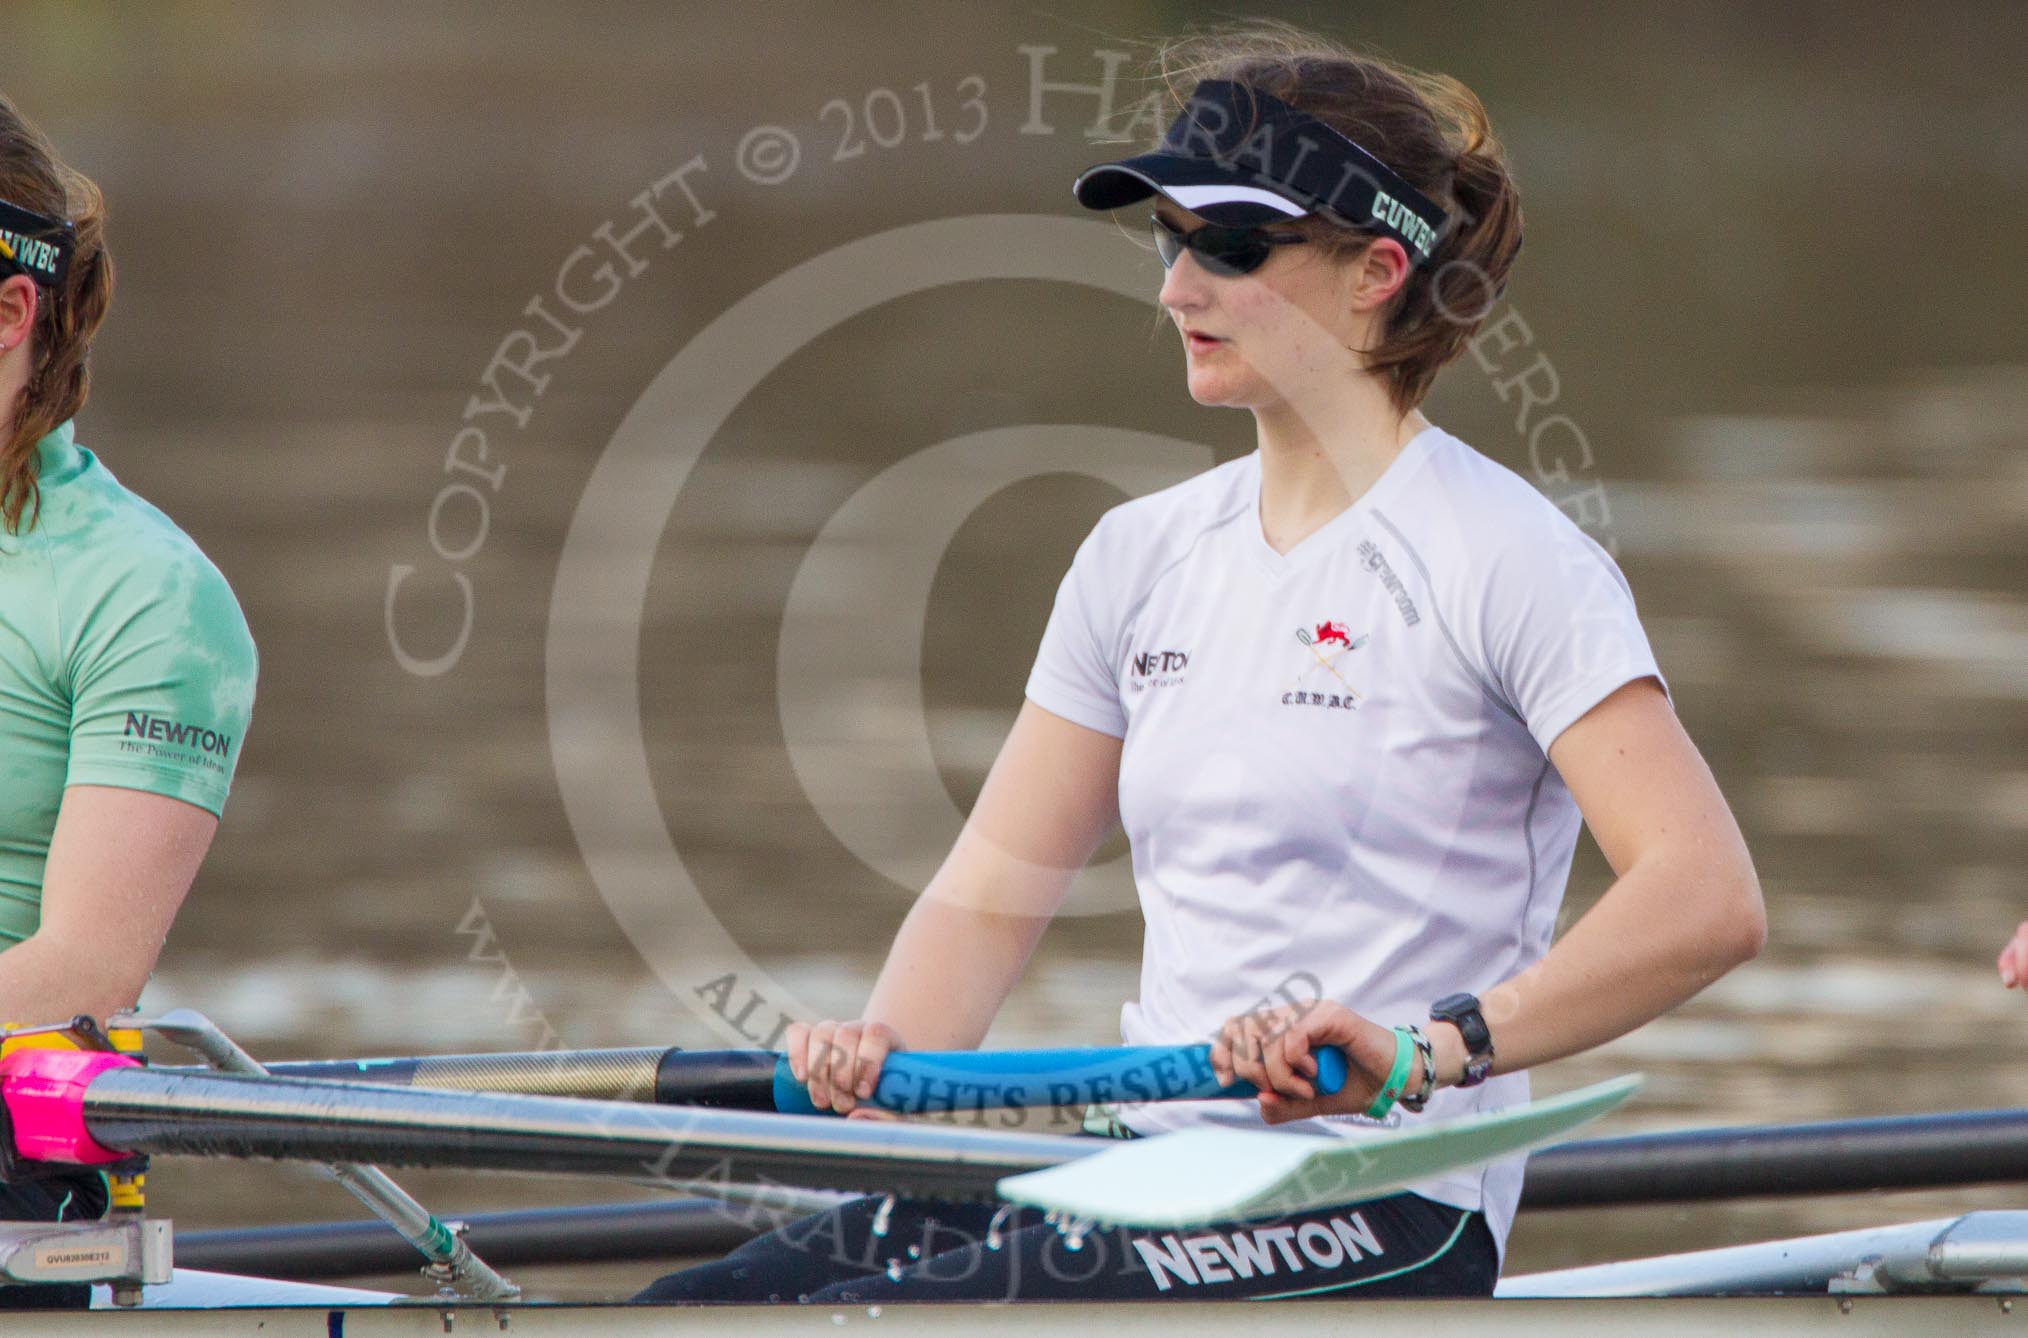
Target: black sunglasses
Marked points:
1224	251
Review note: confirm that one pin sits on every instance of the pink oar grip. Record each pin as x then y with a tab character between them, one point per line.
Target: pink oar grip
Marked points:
44	1091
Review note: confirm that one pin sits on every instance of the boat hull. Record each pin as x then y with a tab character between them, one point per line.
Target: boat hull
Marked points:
1960	1316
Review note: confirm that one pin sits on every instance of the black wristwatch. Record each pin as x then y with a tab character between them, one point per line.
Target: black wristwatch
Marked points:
1462	1012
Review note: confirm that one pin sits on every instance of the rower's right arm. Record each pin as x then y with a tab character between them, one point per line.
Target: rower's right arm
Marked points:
1049	801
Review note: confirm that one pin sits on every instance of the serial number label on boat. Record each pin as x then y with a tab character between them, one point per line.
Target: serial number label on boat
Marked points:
74	1258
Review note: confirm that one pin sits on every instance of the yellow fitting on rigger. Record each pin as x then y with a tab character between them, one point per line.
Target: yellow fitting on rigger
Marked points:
125	1040
128	1191
40	1040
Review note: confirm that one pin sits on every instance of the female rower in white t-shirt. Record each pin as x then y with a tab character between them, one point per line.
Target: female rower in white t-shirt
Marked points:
1351	697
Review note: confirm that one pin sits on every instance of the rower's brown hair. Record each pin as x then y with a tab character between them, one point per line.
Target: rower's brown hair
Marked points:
1430	129
34	177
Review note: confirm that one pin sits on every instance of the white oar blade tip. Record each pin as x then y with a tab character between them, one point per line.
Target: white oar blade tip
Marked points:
1224	1175
1179	1179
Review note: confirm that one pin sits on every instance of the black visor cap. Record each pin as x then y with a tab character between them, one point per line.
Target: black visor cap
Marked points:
41	246
1242	157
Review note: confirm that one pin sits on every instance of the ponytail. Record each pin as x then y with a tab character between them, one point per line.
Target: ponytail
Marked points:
67	319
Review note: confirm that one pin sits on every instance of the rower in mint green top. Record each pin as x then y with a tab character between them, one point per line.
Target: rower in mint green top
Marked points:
124	661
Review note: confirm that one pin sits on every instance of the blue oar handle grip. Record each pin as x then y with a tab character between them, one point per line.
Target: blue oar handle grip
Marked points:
929	1081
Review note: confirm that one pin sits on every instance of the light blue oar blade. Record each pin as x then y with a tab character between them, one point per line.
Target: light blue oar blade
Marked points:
1224	1175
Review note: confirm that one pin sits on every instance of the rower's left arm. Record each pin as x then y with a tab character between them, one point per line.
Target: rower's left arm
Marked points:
120	862
1684	909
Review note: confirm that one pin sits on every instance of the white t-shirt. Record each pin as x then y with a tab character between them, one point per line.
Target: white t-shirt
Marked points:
1334	775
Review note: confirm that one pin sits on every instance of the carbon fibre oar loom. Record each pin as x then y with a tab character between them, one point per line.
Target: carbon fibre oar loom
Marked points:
911	1082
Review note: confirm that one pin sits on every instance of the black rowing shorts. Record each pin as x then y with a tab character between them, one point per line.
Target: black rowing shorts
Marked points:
879	1249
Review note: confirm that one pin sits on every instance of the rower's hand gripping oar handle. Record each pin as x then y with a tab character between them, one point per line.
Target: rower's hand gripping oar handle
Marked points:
915	1082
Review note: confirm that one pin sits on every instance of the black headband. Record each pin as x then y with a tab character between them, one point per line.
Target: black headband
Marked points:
34	245
1240	156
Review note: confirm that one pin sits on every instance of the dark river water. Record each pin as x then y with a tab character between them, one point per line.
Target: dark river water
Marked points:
1774	265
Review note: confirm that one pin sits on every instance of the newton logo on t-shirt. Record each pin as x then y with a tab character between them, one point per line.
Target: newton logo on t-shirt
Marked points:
1156	669
163	737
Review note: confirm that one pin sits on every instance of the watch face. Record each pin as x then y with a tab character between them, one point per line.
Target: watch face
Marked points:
1462	1012
1451	1005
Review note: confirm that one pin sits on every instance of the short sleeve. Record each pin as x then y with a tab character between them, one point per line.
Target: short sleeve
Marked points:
162	671
1560	630
1072	676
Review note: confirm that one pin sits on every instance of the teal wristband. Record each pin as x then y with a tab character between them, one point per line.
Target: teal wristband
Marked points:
1397	1076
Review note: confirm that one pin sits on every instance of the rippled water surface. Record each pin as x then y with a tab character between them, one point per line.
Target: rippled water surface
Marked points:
1776	270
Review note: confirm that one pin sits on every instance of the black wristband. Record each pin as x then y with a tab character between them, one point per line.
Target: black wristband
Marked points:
1462	1012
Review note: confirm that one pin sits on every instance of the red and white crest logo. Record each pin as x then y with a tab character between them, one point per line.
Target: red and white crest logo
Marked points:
1321	680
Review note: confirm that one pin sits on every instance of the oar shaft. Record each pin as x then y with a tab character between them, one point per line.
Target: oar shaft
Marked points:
911	1082
1844	1156
197	1114
627	1074
655	1230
